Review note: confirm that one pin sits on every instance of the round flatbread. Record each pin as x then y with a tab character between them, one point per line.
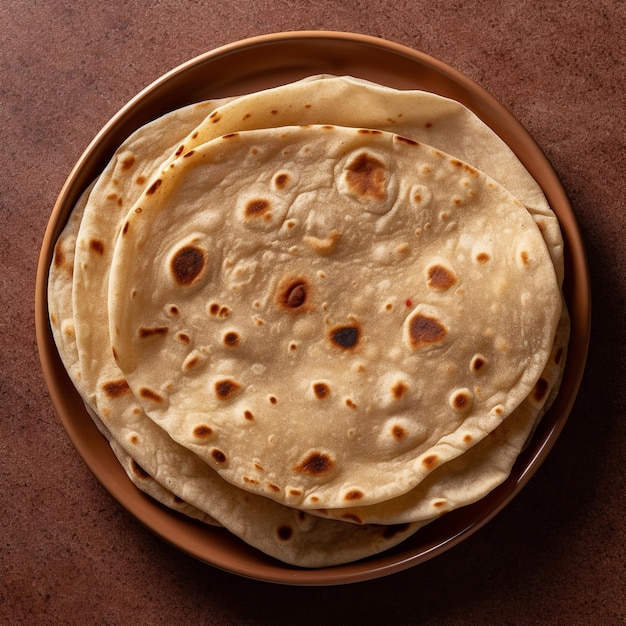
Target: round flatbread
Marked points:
325	315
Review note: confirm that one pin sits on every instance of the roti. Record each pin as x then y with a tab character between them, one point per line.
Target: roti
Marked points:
298	307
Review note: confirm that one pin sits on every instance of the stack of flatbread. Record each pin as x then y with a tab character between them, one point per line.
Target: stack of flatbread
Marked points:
320	315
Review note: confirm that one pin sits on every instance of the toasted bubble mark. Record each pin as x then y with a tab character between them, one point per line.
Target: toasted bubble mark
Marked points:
461	399
321	390
296	296
345	337
353	494
231	339
350	403
150	394
398	432
218	455
467	438
482	257
116	388
67	328
226	388
180	150
125	228
478	363
558	356
406	140
315	464
440	277
97	246
351	517
248	415
154	186
369	131
215	117
525	258
468	168
187	265
295	492
128	162
202	431
273	399
284	532
230	136
191	362
540	391
184	338
214	309
367	176
156	331
293	293
281	180
424	331
173	310
430	461
391	531
399	390
134	439
138	471
257	208
59	256
273	487
439	503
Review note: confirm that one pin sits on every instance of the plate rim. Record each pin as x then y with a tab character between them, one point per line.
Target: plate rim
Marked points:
394	560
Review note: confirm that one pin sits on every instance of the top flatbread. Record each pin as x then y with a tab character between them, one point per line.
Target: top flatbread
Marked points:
325	314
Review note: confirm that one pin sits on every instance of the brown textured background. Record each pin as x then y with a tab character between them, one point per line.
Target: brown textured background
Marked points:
69	554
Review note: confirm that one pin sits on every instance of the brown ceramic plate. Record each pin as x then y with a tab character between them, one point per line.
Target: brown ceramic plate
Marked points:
264	62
